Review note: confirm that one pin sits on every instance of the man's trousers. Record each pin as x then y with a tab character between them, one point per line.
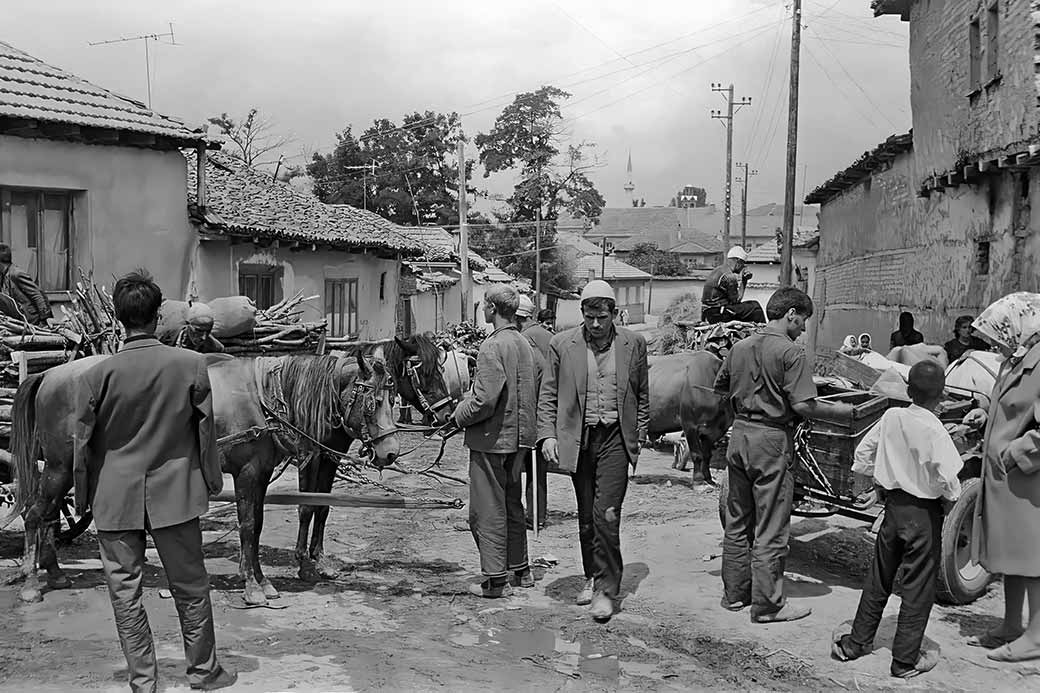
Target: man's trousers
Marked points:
496	511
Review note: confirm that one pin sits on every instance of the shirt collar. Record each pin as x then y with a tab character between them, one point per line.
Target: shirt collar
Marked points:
778	332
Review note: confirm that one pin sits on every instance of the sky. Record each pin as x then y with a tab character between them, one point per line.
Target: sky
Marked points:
640	74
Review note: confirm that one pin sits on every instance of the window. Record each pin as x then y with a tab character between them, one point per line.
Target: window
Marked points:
974	55
382	286
992	41
341	307
982	258
262	283
36	224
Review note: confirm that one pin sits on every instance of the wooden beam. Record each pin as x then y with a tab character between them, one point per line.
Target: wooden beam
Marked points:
20	126
137	139
1034	149
984	166
60	129
1022	158
100	135
1003	162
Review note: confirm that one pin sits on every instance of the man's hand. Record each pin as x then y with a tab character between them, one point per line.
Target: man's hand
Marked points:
745	276
976	418
549	450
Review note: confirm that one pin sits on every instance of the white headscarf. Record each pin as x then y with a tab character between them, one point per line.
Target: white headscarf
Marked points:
850	343
1013	322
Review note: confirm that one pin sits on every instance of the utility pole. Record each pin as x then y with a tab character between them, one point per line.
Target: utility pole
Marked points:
731	108
147	60
538	253
792	148
467	289
746	178
603	260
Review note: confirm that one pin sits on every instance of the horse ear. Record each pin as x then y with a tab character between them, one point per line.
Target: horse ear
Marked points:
379	367
364	371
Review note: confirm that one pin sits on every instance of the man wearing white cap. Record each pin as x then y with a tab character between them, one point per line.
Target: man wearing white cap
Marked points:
197	335
524	321
593	415
723	297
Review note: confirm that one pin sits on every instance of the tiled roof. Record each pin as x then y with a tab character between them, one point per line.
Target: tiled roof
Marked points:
612	267
804	237
438	245
32	90
862	168
241	201
708	246
581	245
882	7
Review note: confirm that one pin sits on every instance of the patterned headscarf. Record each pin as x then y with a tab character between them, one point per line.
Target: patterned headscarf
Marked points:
1012	322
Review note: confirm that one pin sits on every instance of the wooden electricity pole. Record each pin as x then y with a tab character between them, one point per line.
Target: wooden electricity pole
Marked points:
728	117
792	148
748	172
467	288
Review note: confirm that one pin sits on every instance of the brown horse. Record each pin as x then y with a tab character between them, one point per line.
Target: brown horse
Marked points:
428	378
268	411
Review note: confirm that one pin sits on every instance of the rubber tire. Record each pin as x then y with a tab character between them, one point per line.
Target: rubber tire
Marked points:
952	587
70	529
723	488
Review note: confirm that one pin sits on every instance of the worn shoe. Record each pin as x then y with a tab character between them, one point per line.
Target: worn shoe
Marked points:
602	607
585	596
523	578
788	612
223	679
490	590
733	606
844	650
926	661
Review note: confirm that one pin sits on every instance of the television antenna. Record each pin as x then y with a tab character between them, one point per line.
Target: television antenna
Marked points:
147	60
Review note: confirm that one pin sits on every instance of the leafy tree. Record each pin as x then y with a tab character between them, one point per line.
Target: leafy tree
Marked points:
407	174
529	137
252	138
649	258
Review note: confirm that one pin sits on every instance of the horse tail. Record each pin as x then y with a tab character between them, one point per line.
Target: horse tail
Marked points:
25	443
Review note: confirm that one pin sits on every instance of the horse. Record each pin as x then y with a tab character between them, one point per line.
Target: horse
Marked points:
682	398
268	412
429	378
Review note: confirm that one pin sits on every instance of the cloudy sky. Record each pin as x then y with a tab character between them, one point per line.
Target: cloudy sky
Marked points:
640	73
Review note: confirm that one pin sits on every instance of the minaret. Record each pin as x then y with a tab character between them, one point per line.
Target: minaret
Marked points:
630	187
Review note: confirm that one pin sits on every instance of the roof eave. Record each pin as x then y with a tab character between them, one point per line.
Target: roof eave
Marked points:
68	131
892	7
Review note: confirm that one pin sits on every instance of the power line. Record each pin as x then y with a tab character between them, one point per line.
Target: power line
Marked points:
838	88
760	113
855	82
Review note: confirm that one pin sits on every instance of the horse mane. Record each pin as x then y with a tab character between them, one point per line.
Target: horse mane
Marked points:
428	351
311	392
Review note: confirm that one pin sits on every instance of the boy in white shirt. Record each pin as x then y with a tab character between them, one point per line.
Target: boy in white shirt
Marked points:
914	464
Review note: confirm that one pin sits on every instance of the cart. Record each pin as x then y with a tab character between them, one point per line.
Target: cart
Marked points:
825	484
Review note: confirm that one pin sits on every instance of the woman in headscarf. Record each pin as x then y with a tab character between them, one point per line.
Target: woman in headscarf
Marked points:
1006	538
849	344
963	340
864	341
906	335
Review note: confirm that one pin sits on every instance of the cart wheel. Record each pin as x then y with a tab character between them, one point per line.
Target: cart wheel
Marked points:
961	580
71	526
723	496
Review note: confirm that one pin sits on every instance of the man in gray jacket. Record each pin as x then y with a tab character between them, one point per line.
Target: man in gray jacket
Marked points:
499	417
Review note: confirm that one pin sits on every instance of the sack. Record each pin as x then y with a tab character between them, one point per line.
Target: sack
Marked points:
173	315
232	316
891	384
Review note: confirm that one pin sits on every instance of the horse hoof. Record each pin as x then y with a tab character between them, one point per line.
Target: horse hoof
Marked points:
254	597
309	574
327	570
269	591
59	582
30	594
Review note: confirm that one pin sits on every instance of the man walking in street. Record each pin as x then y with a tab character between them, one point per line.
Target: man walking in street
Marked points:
769	381
723	297
525	323
499	417
593	415
23	290
146	460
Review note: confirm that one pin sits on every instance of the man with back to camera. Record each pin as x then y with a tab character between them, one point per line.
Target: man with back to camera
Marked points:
25	292
524	323
145	460
593	416
769	382
723	297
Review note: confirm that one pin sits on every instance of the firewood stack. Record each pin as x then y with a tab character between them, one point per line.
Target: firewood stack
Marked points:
278	332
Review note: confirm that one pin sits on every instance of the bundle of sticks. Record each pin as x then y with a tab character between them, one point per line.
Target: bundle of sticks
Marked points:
92	316
278	331
39	348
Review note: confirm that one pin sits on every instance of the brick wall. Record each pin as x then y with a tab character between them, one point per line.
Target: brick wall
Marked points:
948	124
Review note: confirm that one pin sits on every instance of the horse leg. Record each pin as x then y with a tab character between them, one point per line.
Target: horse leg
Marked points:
261	494
56	578
307	571
701	466
40	522
326	476
246	484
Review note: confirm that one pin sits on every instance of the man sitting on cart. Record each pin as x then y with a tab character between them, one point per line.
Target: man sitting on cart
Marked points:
723	297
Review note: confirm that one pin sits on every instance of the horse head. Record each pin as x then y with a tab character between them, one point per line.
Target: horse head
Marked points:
367	406
420	367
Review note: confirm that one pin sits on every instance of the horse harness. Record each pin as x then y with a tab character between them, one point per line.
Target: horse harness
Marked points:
411	369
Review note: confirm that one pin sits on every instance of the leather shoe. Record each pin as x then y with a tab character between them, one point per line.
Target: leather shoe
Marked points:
490	590
788	612
585	596
733	606
523	578
926	661
602	607
222	680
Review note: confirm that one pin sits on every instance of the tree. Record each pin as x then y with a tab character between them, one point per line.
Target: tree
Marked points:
529	137
649	258
253	137
407	174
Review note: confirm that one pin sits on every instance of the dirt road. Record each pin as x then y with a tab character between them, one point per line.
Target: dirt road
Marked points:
396	618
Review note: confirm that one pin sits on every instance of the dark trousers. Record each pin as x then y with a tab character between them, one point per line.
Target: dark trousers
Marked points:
180	550
909	538
600	483
758	516
496	511
542	479
747	311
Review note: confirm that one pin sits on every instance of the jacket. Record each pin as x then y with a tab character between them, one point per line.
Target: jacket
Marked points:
561	401
145	442
539	337
31	301
499	411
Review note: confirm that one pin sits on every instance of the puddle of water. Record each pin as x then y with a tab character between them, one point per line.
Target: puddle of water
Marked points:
545	646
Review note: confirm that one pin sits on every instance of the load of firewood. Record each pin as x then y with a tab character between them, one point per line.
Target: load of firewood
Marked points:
278	331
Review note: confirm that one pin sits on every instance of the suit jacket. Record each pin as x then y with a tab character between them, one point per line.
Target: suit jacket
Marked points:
561	401
499	411
539	337
31	301
145	442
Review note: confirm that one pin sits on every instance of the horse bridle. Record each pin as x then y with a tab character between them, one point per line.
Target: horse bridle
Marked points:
363	394
411	369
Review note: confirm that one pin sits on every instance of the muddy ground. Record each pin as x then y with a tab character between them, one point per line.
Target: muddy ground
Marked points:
397	617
